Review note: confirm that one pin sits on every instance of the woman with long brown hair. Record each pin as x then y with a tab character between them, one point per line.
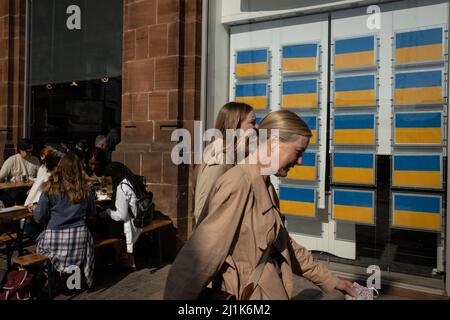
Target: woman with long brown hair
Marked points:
242	246
62	207
235	116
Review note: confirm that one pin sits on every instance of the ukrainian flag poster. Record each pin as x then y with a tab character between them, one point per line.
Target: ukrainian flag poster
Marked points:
417	171
417	212
354	52
418	46
418	128
419	87
355	206
299	201
252	63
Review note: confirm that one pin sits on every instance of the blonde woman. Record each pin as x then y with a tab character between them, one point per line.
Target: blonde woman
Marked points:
242	245
233	115
62	207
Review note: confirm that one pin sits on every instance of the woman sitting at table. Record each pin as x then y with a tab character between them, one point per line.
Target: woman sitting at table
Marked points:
127	187
63	206
49	159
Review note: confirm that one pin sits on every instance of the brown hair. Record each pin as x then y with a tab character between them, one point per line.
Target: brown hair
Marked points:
288	124
49	157
231	116
67	180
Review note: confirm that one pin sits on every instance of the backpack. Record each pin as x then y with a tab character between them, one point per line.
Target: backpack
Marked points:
145	208
16	285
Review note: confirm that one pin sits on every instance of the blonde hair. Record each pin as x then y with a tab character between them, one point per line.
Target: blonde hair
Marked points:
287	123
67	180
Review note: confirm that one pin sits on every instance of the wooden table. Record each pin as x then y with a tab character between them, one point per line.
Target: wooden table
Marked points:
14	185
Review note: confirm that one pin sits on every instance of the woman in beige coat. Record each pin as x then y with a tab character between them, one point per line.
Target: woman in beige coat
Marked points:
233	115
244	223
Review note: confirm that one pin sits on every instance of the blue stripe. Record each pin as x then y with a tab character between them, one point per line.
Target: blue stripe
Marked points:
417	203
311	122
252	56
355	83
309	159
355	45
299	86
418	79
251	90
354	121
353	198
353	160
418	120
300	51
417	163
418	38
297	194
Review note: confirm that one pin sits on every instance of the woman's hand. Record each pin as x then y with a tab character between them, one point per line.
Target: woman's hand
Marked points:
31	207
346	287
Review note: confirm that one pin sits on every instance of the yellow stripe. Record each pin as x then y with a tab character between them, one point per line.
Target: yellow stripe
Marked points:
351	213
305	209
431	52
418	135
299	64
418	95
421	220
255	102
313	139
302	173
354	59
353	175
430	179
251	69
354	98
356	136
306	100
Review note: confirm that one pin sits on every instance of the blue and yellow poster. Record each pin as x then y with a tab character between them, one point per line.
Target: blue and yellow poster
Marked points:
353	91
417	211
300	58
354	168
254	94
419	46
418	87
300	94
353	206
417	170
298	201
252	63
354	129
307	171
418	128
355	52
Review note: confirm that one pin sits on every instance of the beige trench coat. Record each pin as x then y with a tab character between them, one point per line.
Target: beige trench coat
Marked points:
243	220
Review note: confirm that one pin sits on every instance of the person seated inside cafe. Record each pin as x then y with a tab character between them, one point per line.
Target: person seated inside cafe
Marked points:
49	159
96	162
21	166
63	207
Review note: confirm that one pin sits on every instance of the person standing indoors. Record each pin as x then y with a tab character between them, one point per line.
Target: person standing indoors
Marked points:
242	245
22	164
62	208
235	116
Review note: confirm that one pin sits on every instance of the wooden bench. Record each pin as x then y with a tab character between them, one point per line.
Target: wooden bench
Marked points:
34	259
104	242
157	224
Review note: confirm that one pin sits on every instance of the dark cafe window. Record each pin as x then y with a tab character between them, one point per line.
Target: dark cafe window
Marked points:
74	85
